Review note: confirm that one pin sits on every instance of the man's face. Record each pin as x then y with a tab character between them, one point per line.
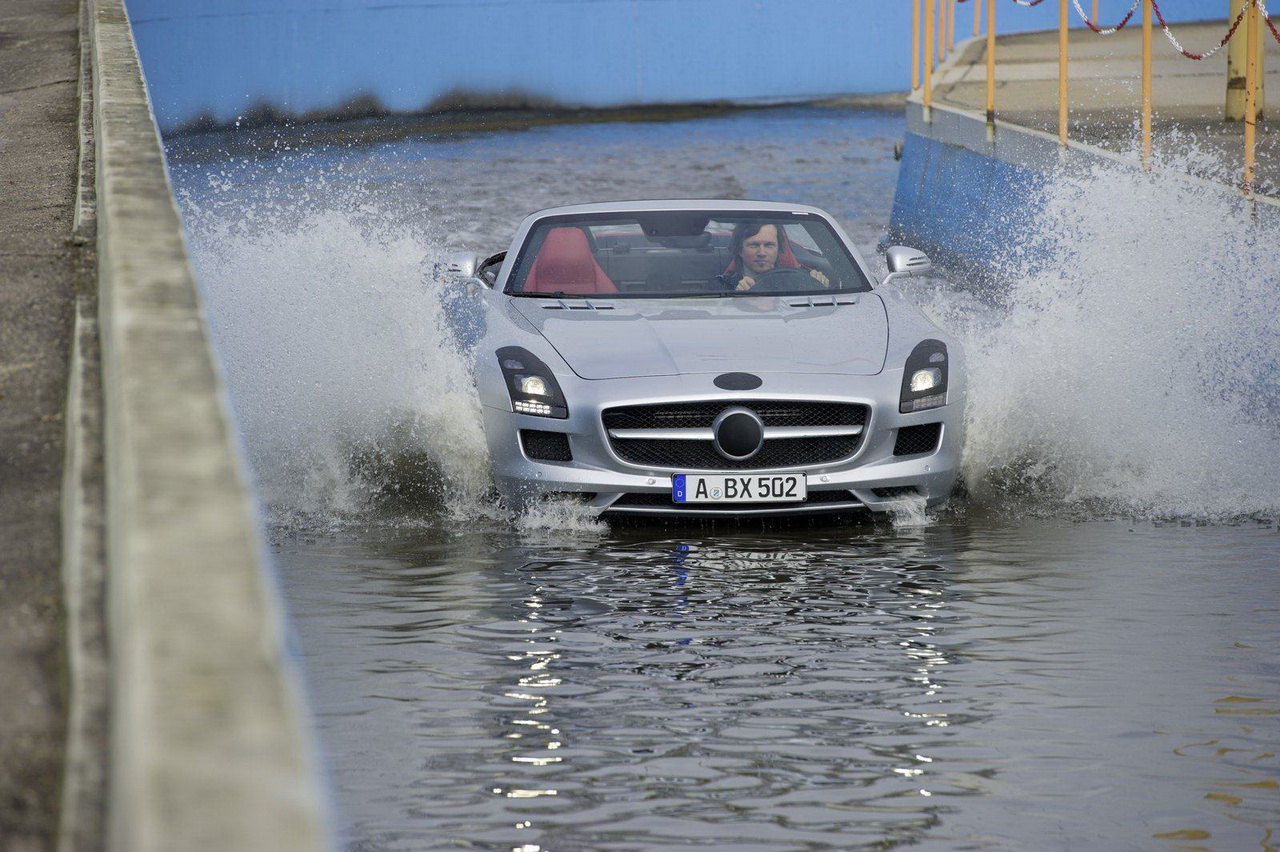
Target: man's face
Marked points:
760	251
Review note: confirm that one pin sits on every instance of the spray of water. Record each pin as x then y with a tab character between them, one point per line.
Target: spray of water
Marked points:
910	513
1131	366
356	403
329	329
560	517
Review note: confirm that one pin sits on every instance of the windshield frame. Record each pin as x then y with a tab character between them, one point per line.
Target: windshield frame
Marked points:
516	270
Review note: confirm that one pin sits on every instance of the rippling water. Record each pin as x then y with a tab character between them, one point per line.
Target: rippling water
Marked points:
1049	686
1081	655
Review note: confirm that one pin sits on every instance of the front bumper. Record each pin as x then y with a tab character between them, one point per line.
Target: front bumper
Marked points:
873	478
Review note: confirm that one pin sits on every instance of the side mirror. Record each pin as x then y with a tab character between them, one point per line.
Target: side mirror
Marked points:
460	265
904	261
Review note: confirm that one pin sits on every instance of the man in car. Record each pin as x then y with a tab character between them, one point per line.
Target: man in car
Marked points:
759	247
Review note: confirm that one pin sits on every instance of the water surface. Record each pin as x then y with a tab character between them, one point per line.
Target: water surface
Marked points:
959	686
1077	655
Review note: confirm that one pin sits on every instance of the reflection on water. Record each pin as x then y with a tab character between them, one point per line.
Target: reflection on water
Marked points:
1076	686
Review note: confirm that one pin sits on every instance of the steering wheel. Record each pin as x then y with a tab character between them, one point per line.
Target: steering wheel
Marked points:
785	278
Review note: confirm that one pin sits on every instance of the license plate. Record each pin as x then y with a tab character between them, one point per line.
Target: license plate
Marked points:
729	488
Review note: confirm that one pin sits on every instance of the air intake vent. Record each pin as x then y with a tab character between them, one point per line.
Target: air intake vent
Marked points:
822	301
577	305
896	492
545	446
914	440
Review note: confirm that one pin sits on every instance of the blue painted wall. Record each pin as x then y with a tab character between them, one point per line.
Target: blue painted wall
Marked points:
223	57
957	204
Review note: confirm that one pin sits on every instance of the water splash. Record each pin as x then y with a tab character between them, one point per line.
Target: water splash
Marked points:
329	329
1131	367
315	265
910	513
561	516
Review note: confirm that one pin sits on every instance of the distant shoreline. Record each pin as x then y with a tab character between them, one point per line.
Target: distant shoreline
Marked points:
262	128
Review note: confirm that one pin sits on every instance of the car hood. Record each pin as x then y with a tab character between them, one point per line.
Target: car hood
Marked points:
613	339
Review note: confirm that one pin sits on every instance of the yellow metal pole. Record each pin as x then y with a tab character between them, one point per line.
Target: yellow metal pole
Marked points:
1062	72
1237	62
1146	84
942	30
928	58
991	62
977	18
1095	12
1260	79
915	44
951	27
1251	95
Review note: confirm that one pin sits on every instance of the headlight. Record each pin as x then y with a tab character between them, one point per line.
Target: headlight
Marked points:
924	380
530	384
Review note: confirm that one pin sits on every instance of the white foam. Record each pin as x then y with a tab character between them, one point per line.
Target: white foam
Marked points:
1132	367
562	516
908	513
329	331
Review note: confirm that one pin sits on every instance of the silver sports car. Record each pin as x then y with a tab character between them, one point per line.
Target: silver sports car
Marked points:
709	358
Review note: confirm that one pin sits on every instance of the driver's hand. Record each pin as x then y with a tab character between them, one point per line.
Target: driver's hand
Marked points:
746	283
822	279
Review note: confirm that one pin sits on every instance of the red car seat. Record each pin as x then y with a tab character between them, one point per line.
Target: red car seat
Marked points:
565	265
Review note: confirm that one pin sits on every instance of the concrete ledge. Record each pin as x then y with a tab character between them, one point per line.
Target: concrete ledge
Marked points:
963	188
964	185
208	747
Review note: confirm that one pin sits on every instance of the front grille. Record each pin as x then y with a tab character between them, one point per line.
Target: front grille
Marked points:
663	500
684	415
698	455
913	440
702	455
546	446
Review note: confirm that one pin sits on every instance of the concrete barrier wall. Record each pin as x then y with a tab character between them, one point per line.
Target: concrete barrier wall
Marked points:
222	58
208	747
960	189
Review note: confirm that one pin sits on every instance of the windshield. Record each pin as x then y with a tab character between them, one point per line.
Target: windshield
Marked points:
683	254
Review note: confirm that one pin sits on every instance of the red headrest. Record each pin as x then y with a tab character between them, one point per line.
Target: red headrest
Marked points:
565	265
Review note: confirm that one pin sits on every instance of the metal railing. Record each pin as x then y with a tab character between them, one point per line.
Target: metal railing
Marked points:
937	20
